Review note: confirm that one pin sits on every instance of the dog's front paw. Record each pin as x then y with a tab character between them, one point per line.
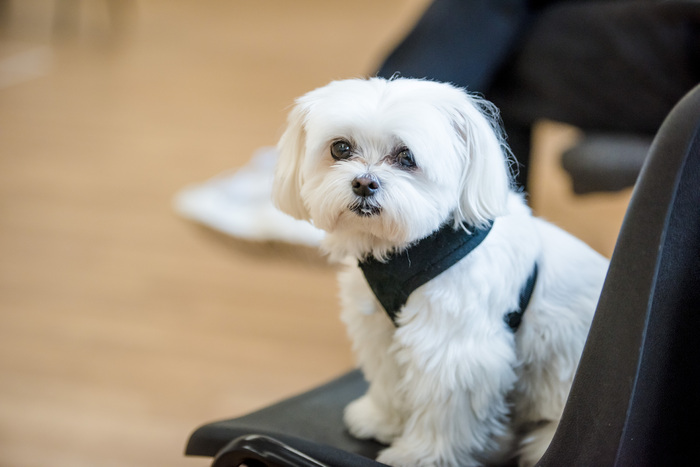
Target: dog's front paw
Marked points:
365	421
397	457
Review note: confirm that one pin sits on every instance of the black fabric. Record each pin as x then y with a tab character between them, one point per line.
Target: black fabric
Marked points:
634	400
615	66
618	66
394	279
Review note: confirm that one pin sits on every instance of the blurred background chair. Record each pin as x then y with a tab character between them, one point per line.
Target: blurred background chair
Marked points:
634	396
605	161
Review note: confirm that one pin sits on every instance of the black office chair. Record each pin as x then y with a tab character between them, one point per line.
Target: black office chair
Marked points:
635	399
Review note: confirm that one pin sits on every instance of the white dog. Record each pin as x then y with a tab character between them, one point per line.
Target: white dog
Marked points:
401	174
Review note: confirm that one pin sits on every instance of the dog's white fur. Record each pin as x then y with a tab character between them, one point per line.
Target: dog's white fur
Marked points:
452	384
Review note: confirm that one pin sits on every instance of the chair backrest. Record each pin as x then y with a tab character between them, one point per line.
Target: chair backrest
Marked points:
636	395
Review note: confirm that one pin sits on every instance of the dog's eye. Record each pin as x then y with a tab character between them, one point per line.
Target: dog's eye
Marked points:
405	158
341	150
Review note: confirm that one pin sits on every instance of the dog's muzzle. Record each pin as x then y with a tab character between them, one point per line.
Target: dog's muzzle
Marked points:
365	187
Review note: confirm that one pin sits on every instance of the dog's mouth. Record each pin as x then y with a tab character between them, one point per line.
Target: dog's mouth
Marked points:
365	208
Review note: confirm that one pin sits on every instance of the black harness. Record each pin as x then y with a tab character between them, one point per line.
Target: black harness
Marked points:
394	280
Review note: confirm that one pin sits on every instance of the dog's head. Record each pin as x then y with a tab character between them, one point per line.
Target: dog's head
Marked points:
390	161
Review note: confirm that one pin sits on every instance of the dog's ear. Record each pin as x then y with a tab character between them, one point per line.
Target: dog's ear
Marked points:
288	174
487	180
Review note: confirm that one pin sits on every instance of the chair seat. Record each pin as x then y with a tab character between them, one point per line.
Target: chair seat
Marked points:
315	416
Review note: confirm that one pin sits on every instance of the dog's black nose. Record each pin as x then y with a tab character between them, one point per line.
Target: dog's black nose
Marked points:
365	185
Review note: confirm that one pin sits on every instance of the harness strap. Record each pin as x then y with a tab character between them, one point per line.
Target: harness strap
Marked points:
393	280
514	318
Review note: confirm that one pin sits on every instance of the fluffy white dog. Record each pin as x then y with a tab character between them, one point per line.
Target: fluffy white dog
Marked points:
401	174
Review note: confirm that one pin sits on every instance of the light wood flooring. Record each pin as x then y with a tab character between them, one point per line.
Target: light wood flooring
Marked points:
122	326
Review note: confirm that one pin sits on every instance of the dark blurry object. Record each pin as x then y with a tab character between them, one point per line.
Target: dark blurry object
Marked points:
605	162
635	392
616	67
613	69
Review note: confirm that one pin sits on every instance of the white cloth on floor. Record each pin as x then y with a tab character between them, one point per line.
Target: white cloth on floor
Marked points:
239	203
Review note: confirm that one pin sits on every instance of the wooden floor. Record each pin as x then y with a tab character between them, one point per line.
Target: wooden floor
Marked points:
122	326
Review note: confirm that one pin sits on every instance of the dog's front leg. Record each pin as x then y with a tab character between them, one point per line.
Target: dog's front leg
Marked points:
375	414
454	389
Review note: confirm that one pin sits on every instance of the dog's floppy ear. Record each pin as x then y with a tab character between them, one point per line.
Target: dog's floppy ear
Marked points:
486	181
288	174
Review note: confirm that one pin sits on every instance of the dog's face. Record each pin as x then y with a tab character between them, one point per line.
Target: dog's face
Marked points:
390	161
